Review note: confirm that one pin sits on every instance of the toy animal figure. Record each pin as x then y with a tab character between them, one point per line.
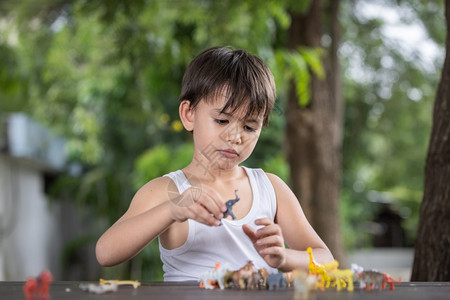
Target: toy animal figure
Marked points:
314	267
275	281
229	204
243	275
341	279
375	279
258	280
29	288
255	281
228	279
317	270
304	283
371	280
290	277
328	267
214	276
99	288
133	283
264	273
39	285
391	281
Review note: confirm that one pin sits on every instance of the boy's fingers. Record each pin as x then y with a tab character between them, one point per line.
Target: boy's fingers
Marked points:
263	221
278	251
269	230
250	233
210	205
200	214
273	240
215	197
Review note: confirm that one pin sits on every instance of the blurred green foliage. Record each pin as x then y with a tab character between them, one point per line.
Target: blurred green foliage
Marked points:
107	74
389	89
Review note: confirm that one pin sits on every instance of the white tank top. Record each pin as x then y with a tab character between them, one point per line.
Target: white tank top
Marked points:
205	246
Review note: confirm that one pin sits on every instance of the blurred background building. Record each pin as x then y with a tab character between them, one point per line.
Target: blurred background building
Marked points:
34	229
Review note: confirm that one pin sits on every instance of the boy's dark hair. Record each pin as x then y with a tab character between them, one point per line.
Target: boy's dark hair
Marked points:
242	77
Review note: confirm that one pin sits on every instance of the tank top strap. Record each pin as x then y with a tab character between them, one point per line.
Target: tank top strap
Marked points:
263	188
180	180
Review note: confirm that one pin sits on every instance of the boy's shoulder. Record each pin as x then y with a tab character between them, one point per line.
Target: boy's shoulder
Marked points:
156	185
275	179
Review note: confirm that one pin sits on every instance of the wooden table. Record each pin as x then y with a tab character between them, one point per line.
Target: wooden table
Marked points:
160	290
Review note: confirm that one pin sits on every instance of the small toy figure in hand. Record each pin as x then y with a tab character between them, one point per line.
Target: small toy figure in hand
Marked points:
229	204
40	285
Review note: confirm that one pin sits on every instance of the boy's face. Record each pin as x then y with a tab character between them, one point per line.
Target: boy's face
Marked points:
224	139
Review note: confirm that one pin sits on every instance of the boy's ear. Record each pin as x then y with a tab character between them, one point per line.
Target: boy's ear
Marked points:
187	115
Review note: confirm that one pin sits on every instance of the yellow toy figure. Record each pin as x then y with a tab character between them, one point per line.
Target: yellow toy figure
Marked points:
317	270
340	278
134	283
329	272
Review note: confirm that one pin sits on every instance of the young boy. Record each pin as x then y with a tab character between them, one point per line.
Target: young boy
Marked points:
226	98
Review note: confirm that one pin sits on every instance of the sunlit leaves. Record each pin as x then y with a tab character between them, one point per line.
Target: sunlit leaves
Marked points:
296	66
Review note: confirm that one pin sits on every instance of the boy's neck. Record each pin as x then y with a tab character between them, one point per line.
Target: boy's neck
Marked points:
210	173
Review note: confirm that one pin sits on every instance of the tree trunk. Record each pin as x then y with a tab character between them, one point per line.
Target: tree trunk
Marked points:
432	249
314	132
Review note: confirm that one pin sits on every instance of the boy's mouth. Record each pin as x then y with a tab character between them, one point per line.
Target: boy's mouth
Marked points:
229	153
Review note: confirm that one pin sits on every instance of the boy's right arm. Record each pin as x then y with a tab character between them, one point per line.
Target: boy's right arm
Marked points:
152	211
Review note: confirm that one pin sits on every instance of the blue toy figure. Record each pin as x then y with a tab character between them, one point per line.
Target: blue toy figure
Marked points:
275	281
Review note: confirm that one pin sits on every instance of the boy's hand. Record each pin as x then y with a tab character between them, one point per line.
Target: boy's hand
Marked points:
203	205
268	241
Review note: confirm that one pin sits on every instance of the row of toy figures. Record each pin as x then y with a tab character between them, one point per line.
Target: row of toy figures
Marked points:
328	275
320	276
246	277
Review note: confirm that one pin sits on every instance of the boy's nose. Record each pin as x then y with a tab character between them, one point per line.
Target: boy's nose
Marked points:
234	135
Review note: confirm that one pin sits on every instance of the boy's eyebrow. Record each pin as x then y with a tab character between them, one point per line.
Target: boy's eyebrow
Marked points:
219	111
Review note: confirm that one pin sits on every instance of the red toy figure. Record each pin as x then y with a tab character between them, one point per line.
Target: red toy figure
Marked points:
29	288
45	279
390	281
39	285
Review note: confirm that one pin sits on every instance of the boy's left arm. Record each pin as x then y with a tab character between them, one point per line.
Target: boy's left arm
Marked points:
292	228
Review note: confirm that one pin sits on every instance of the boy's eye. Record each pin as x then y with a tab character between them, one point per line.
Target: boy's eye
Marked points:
221	121
248	128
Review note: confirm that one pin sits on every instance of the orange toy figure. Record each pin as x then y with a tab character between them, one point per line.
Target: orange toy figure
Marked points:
389	280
